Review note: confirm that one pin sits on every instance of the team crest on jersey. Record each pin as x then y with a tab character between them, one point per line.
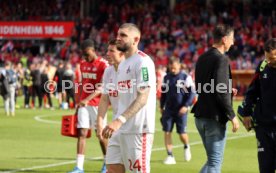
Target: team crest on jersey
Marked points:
128	70
94	69
265	76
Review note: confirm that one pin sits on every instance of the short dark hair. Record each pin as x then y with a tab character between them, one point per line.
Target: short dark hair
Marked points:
87	43
174	60
112	41
270	45
221	31
8	63
131	26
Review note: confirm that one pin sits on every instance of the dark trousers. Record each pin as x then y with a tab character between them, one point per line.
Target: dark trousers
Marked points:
26	95
266	149
70	93
37	92
48	97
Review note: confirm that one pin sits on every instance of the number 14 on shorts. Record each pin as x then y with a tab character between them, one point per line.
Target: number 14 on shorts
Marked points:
135	165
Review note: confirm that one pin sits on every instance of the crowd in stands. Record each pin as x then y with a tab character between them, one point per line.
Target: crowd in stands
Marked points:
36	10
182	31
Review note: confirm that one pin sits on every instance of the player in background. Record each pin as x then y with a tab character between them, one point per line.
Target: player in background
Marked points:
178	93
110	95
92	70
135	122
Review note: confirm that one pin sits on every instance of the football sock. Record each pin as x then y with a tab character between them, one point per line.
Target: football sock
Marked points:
80	161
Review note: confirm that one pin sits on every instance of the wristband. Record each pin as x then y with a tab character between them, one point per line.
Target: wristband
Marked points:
122	119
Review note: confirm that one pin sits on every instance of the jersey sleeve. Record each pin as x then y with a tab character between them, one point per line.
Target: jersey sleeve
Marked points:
252	94
105	82
145	73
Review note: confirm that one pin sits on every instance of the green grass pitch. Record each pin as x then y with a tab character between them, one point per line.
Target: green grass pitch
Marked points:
31	142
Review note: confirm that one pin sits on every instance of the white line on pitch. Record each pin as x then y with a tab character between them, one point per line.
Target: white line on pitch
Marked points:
40	118
94	158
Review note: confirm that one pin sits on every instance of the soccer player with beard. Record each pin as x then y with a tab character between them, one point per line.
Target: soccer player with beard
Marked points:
135	120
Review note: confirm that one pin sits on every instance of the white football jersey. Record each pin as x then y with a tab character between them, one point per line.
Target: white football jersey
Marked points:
135	72
110	88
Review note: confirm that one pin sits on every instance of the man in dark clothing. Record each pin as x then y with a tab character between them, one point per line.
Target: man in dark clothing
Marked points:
45	91
259	108
58	78
214	106
4	86
27	86
176	98
68	79
36	88
11	77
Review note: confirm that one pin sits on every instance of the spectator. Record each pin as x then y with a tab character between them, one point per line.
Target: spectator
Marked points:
11	77
68	80
36	85
45	89
58	79
27	85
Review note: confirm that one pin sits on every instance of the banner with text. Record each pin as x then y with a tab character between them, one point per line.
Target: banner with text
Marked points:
36	29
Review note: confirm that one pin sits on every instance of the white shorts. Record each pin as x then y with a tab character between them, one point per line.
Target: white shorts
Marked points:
132	150
87	117
113	153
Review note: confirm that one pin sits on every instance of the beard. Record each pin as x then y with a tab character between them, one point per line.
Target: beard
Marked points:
124	47
272	64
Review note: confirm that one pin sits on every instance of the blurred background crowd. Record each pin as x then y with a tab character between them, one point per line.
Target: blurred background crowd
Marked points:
170	28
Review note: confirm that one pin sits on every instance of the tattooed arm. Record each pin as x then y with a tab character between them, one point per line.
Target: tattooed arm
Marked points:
138	103
135	106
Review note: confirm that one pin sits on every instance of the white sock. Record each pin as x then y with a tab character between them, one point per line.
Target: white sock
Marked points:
80	161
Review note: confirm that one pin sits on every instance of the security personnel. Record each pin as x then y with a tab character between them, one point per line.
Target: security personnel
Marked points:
259	108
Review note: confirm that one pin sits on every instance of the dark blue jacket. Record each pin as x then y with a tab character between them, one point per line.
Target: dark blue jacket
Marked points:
260	98
180	92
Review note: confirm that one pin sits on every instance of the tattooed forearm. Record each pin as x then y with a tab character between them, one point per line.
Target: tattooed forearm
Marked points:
137	104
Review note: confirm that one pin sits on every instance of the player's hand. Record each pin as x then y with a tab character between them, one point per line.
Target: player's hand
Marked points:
234	91
83	103
111	127
99	129
183	110
235	124
247	123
